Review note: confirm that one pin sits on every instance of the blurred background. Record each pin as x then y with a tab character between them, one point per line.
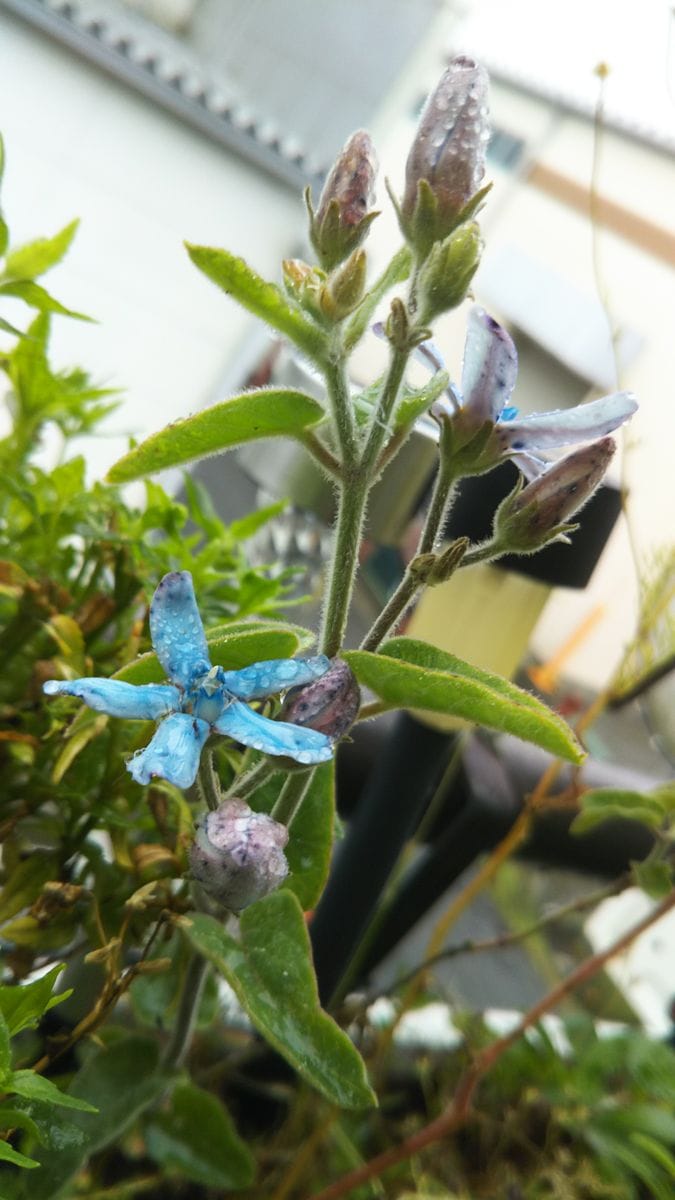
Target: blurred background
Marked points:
159	120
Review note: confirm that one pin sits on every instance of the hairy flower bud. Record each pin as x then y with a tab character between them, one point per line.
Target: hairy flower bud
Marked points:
447	272
533	516
238	855
345	287
329	705
342	218
446	162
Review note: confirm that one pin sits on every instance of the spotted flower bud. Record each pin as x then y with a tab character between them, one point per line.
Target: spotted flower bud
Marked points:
238	855
447	272
447	158
342	219
534	515
329	705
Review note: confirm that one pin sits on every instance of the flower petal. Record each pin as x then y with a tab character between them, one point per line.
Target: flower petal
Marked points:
176	629
144	702
490	367
275	675
240	722
173	751
565	427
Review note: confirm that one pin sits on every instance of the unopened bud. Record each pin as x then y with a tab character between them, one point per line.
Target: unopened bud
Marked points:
533	516
447	272
447	158
238	855
330	704
345	287
304	284
342	219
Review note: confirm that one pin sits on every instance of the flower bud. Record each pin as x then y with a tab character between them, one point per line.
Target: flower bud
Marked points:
447	272
238	855
534	515
329	705
304	284
342	218
345	287
447	158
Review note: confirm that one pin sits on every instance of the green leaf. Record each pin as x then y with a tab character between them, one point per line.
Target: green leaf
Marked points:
311	838
5	325
197	1138
16	1118
25	882
120	1080
416	401
5	1048
600	804
265	413
265	300
23	1005
35	1087
655	878
4	238
230	646
270	970
412	674
38	297
8	1154
39	256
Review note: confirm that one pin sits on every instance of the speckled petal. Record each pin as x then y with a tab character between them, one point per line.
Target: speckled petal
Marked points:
145	702
275	675
273	737
566	427
173	752
176	629
490	367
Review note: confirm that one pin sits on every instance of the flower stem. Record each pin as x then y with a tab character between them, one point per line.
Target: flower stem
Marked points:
193	985
291	797
341	405
208	782
351	512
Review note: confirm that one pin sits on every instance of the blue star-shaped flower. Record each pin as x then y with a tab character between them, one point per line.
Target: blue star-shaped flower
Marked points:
200	699
489	373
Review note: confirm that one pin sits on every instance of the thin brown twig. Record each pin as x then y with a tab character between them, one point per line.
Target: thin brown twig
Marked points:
457	1112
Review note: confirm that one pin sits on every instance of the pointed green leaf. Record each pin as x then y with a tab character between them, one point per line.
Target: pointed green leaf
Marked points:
36	1087
119	1080
38	297
197	1138
230	646
600	804
23	1005
271	972
265	413
5	325
416	401
8	1154
411	674
39	256
234	276
655	878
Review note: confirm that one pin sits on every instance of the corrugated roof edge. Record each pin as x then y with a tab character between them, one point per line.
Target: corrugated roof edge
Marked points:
144	57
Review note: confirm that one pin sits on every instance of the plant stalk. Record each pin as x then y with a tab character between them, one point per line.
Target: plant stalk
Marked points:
193	985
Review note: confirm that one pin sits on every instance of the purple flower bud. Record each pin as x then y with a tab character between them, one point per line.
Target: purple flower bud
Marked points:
447	158
343	218
238	855
536	514
329	705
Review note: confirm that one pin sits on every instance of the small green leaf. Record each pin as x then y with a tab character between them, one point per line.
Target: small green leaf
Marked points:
416	401
5	325
412	674
655	878
270	970
16	1118
36	1087
119	1080
8	1154
39	256
230	646
23	1005
600	804
234	276
265	413
197	1138
38	297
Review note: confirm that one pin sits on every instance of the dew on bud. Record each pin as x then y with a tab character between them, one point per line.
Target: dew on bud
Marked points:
329	705
238	855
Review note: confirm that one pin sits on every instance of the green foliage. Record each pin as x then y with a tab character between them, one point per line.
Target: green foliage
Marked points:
195	1137
411	674
653	808
270	412
270	971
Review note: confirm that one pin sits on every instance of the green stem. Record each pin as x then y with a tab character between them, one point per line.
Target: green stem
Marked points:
291	797
484	553
321	453
379	427
249	781
341	406
351	513
193	984
208	782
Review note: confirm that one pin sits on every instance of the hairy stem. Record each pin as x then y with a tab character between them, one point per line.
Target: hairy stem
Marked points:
351	513
193	985
321	453
337	386
291	797
208	782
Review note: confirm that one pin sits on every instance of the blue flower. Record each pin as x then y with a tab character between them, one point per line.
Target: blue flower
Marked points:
200	699
489	373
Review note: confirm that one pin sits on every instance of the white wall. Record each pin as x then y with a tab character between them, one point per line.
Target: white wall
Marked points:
78	144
